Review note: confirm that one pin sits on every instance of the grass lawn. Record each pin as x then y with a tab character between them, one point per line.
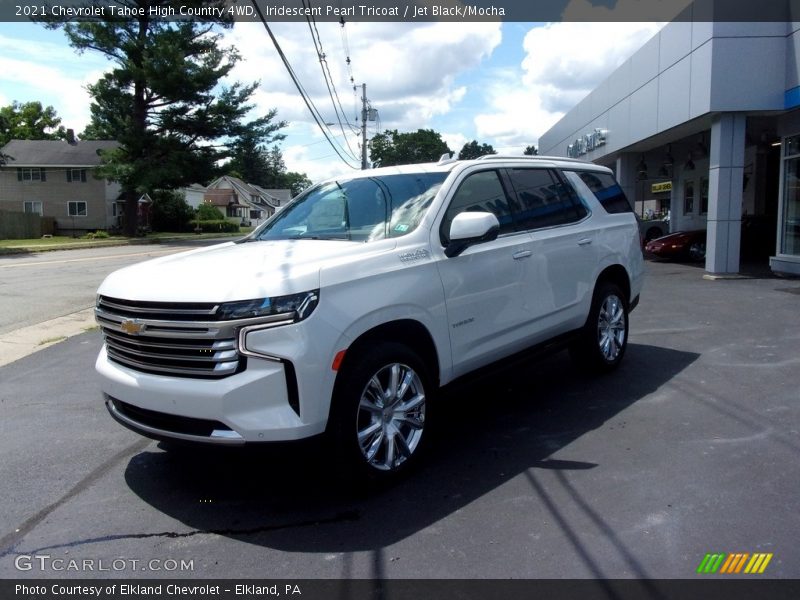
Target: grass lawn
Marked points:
65	242
55	240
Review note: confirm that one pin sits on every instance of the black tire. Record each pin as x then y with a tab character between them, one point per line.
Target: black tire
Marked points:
697	251
601	344
652	234
371	442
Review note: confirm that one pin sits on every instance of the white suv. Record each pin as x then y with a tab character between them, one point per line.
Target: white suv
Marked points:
345	312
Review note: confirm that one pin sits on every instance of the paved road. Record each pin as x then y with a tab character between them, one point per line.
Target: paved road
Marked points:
41	286
691	447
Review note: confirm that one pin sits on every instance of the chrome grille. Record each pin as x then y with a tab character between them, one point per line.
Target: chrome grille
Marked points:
173	339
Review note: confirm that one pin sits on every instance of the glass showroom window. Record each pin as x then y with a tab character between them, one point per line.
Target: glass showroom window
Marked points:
688	197
790	234
704	196
76	209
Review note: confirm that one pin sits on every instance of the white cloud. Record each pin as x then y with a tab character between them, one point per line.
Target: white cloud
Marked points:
455	141
411	70
564	62
51	86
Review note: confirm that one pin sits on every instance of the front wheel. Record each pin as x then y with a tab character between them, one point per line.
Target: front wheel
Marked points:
603	340
380	413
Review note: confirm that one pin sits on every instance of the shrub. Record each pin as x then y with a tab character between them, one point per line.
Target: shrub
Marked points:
215	226
209	212
95	235
170	212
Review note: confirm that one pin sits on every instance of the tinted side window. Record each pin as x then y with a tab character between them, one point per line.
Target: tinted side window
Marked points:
607	191
544	199
480	192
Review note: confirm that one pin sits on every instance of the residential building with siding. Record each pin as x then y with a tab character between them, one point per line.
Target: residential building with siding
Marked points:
56	178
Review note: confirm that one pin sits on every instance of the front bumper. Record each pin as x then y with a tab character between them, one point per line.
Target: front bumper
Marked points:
251	406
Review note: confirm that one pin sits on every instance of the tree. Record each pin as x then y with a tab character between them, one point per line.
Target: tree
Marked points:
531	151
160	102
266	168
170	211
296	182
251	161
29	121
475	150
393	148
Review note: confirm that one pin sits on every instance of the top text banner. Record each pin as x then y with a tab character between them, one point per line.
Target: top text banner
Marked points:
399	10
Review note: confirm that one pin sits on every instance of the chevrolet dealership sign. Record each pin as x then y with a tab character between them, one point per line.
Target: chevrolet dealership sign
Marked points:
587	143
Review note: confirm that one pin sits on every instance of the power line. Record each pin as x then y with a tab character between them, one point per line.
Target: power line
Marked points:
328	77
348	62
303	94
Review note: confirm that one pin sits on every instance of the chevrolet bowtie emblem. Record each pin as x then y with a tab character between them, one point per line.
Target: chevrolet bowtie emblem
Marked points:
132	326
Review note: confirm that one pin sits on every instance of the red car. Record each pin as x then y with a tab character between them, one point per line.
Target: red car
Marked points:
682	245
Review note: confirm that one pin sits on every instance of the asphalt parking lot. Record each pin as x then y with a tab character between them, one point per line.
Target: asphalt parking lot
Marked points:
539	472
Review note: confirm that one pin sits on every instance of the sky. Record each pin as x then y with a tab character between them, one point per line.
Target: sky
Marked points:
499	83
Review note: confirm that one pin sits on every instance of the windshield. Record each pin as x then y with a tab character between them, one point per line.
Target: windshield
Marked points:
363	209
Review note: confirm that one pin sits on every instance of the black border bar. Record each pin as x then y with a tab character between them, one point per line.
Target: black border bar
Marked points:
411	10
702	588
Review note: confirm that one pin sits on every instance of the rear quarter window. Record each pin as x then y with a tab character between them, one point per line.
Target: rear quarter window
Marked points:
607	191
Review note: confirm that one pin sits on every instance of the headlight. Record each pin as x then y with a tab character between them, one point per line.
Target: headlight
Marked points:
299	305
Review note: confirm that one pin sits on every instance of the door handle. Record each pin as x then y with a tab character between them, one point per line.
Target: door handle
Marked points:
584	241
521	254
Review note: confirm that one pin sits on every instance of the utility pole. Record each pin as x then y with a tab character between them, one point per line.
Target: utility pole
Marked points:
363	126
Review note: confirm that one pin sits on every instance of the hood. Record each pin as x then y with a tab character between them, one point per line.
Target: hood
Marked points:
230	271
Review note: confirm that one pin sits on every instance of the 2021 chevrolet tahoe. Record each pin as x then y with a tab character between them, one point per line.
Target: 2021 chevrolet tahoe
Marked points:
347	310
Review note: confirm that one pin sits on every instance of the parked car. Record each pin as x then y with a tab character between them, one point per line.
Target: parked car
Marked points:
653	228
681	245
346	311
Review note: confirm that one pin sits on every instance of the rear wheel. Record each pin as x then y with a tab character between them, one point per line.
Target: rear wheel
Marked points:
380	415
697	251
652	234
602	343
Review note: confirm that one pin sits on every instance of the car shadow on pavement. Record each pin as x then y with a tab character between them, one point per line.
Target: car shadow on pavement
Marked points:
488	432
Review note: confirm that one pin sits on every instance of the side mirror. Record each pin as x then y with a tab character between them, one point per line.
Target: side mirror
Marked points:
469	228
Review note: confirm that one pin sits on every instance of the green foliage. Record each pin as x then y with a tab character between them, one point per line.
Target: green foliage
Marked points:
164	100
96	235
254	163
393	148
531	151
29	121
257	165
169	211
474	150
296	182
215	226
208	212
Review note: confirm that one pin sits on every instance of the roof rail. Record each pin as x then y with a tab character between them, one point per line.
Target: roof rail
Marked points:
529	157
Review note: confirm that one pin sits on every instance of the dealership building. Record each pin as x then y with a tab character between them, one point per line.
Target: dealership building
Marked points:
704	122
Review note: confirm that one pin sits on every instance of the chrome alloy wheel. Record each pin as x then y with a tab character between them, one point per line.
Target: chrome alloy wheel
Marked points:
611	327
391	416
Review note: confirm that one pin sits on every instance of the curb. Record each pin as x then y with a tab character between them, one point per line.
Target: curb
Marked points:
29	340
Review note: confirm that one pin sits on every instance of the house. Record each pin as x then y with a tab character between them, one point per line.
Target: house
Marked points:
244	201
194	194
55	178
